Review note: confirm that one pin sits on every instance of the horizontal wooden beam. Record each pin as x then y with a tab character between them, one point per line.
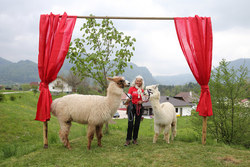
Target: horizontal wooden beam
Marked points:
128	18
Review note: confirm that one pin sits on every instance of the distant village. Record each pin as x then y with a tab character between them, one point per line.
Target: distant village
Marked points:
184	102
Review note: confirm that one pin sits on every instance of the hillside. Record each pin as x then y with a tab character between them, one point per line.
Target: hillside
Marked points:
21	143
21	72
186	78
175	79
26	71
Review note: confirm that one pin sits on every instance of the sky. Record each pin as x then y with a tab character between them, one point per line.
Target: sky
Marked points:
157	46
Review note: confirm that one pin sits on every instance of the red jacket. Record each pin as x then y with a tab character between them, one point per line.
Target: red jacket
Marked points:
133	91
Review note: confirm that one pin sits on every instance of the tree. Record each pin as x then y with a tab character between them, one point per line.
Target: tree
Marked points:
73	80
230	120
102	51
25	87
34	89
60	83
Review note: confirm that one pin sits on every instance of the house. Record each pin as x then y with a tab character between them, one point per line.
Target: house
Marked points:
182	108
59	85
189	97
122	106
245	103
36	84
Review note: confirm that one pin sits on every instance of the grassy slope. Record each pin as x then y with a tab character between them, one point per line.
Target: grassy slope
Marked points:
21	143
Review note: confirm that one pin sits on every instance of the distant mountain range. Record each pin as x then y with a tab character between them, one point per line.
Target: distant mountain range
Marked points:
186	78
26	71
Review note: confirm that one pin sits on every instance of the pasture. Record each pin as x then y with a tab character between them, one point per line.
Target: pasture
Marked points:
21	143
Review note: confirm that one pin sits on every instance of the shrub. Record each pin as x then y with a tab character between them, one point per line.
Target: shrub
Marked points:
230	120
12	98
2	97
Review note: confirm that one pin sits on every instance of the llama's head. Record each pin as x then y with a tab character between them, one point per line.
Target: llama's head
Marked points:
120	82
152	91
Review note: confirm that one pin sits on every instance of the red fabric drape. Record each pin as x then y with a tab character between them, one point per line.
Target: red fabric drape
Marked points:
196	40
54	39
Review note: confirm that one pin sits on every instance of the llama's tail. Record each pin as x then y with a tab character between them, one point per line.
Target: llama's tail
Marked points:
53	107
174	128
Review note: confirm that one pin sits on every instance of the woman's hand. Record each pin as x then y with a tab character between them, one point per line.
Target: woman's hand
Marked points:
127	101
140	102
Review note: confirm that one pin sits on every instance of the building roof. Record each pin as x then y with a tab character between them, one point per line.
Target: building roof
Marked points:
244	100
174	101
34	83
189	97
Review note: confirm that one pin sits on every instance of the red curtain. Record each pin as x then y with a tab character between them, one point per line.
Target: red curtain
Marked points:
196	40
54	39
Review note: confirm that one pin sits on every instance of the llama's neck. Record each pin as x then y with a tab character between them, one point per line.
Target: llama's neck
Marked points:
155	105
114	94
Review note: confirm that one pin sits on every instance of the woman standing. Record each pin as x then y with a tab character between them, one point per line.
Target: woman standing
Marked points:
134	109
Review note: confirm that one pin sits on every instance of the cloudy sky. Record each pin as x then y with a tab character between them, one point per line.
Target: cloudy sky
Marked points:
157	46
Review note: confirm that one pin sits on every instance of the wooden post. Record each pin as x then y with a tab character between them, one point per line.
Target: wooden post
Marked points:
45	134
204	130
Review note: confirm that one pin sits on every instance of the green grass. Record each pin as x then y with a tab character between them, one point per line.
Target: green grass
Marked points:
21	143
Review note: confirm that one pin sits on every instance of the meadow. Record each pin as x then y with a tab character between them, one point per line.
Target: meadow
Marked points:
21	143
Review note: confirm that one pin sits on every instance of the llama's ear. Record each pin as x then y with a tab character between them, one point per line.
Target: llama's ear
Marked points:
156	86
110	79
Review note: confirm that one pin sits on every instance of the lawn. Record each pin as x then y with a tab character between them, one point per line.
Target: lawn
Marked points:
21	143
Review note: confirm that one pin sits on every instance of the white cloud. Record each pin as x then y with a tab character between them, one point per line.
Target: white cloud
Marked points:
157	46
231	44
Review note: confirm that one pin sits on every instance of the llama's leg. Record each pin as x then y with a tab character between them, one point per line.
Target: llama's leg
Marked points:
99	134
91	132
174	131
64	133
157	132
166	132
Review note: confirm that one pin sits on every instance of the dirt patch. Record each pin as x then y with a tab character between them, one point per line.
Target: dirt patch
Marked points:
229	159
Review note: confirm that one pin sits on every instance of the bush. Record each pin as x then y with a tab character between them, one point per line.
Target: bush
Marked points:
2	97
230	120
12	98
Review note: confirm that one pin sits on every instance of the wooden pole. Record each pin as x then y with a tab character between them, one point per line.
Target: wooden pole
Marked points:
45	134
204	130
128	18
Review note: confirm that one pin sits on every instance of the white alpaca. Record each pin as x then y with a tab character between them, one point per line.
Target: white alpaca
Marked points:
164	114
88	109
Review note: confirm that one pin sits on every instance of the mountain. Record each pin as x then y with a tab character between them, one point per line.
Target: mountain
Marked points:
239	62
130	74
186	78
175	79
26	71
4	62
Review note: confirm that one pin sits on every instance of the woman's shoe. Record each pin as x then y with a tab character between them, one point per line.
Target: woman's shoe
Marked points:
135	142
127	143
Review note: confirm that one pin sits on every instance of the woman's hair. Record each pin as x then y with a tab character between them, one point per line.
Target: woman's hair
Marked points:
138	77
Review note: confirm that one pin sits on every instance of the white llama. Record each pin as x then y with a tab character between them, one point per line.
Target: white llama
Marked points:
164	114
93	110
